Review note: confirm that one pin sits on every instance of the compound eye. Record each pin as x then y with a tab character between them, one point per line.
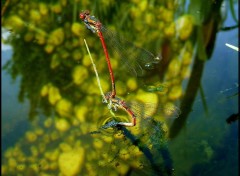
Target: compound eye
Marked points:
82	16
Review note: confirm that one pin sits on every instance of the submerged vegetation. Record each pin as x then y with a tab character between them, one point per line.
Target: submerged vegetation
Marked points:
58	80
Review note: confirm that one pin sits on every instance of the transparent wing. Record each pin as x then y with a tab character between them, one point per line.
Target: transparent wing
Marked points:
134	58
146	110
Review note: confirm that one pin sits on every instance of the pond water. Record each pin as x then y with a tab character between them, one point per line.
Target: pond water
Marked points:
54	121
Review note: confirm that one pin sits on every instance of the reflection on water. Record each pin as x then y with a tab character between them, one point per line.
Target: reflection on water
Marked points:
56	77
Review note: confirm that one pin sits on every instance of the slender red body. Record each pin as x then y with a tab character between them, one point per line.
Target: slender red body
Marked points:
108	63
94	25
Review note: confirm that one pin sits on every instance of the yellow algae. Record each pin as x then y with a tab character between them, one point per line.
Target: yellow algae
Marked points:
169	109
122	168
98	144
70	163
44	164
103	162
175	92
16	151
4	170
62	124
77	54
53	165
114	148
165	128
21	13
176	81
186	58
76	29
56	8
22	158
56	37
32	159
107	139
91	155
54	135
39	131
64	108
54	155
90	169
65	147
119	136
21	167
135	13
49	48
136	151
136	164
146	97
63	2
132	84
150	103
35	15
28	36
121	88
41	147
70	139
75	122
30	136
81	112
47	155
54	95
135	130
124	154
48	122
8	153
46	138
78	143
184	26
75	43
43	9
170	30
171	5
105	84
79	74
34	151
86	60
14	22
34	166
142	5
44	90
114	64
55	61
40	39
185	73
161	26
64	54
174	67
168	15
149	19
12	163
26	7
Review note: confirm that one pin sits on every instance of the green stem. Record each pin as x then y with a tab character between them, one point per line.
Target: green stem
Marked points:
96	73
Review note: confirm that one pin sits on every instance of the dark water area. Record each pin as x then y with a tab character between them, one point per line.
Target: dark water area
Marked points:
186	105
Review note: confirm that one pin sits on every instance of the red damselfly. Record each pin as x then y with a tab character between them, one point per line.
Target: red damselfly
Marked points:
136	59
136	109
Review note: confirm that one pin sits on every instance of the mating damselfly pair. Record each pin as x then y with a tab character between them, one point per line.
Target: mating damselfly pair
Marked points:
134	58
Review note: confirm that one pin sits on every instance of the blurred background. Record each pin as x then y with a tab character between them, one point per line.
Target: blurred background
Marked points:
52	110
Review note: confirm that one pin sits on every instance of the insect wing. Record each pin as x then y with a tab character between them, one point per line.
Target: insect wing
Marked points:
146	110
134	58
